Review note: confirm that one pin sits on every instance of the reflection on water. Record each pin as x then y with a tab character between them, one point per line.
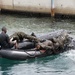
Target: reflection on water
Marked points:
62	64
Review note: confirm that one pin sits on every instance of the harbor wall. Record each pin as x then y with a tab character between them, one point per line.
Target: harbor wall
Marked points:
40	6
65	7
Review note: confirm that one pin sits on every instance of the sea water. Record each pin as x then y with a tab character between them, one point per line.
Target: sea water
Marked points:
61	64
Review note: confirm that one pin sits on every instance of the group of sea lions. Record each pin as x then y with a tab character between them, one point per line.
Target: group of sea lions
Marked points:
55	45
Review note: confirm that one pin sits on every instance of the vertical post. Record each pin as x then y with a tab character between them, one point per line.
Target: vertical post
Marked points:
0	6
52	8
13	4
0	10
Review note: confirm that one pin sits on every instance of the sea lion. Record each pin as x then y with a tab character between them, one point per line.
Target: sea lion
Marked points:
61	42
20	36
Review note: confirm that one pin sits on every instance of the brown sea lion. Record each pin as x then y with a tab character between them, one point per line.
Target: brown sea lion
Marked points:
19	36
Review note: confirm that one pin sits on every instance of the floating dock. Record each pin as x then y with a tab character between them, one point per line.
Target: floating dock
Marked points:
66	7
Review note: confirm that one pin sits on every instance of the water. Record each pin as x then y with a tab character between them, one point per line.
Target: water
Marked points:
61	64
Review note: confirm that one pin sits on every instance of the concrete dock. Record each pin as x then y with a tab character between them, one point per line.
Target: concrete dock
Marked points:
66	7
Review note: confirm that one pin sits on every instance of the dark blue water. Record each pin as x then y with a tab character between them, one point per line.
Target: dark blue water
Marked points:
61	64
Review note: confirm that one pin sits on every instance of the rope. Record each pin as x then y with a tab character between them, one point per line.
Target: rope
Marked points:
30	54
